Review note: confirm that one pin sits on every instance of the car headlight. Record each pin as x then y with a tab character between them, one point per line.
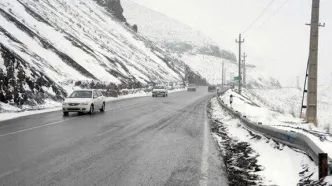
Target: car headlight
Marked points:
85	103
64	104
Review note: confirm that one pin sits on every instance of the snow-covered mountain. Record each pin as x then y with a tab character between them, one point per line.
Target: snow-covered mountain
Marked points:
170	34
44	44
196	50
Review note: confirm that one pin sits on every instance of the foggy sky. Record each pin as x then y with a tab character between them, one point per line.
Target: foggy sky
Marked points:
280	46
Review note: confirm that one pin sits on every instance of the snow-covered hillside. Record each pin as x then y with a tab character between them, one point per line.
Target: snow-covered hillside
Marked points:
210	67
284	100
324	103
288	101
192	47
170	34
45	43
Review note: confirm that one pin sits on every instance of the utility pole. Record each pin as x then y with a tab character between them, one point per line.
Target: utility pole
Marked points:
244	69
311	112
240	41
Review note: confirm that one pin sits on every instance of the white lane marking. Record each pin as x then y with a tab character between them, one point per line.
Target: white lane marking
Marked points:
53	123
205	154
8	173
39	126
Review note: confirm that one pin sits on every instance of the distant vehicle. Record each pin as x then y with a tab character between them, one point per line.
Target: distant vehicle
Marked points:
84	101
159	90
191	87
170	87
212	88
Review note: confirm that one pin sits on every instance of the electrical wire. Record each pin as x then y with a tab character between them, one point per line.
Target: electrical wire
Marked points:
275	13
270	3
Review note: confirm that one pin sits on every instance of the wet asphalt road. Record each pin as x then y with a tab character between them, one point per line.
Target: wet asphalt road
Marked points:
138	141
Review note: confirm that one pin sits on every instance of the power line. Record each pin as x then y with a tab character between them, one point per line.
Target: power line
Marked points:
275	13
270	3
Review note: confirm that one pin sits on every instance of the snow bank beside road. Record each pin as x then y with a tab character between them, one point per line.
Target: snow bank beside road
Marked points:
11	115
256	111
261	160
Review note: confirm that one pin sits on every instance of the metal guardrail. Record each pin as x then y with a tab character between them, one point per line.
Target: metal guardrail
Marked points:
289	138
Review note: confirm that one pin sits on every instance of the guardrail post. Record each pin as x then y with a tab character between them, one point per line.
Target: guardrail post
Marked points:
322	165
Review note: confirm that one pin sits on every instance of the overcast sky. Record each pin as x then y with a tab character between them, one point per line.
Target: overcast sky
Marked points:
278	45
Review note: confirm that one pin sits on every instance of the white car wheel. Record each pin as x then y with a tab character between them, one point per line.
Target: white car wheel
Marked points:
102	108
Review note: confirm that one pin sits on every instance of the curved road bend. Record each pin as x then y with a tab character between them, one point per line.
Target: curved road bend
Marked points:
138	141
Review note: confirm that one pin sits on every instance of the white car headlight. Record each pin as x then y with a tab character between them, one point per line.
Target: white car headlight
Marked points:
85	103
64	104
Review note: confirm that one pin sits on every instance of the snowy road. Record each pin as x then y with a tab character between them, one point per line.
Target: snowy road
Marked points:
139	141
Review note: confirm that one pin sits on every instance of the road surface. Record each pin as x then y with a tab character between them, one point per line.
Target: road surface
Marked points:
138	141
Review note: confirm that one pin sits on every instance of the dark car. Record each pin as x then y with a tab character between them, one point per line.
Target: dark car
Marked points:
212	88
191	87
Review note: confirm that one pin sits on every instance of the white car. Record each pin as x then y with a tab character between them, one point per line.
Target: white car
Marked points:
84	101
159	90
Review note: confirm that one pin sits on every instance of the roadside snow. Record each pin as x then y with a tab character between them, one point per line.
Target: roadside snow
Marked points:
255	111
289	101
7	107
11	115
10	112
282	165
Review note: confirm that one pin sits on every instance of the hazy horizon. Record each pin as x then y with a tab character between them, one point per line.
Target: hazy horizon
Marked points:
278	44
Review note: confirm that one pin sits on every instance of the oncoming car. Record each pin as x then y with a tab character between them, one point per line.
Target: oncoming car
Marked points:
159	90
191	87
84	101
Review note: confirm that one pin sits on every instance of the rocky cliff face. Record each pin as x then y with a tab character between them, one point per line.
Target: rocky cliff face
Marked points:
20	83
114	7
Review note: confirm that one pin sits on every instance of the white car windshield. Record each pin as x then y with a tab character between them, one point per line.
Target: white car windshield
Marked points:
159	87
81	94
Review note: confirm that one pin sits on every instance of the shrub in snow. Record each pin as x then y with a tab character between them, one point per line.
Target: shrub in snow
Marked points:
124	92
78	83
135	27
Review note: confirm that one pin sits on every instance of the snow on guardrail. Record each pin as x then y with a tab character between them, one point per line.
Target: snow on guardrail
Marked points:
290	138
